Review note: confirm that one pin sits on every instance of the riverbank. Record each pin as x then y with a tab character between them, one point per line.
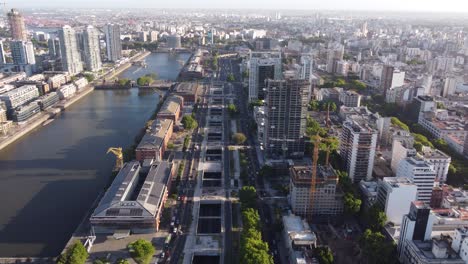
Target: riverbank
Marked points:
42	118
61	106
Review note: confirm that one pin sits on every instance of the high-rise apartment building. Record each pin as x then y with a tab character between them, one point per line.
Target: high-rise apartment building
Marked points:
91	49
416	225
421	173
54	48
285	111
17	26
357	147
263	66
22	52
71	58
113	42
395	196
391	78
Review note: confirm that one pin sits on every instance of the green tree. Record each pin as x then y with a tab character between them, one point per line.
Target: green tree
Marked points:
329	105
230	77
248	196
314	105
396	122
376	249
124	82
357	85
189	122
423	140
142	251
232	109
325	255
329	145
313	128
89	77
122	261
239	138
250	219
255	251
352	205
75	254
376	218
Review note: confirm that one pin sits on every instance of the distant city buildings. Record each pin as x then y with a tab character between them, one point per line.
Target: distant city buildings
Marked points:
113	42
22	52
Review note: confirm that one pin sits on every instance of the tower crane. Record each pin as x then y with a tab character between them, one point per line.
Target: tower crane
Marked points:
119	157
316	140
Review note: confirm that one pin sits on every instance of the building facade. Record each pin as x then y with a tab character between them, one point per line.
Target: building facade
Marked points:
285	111
263	66
113	42
395	196
22	52
358	144
71	58
92	52
154	142
421	173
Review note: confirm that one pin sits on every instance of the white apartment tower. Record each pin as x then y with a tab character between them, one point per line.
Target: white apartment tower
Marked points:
395	196
71	59
357	147
421	173
263	66
91	49
113	42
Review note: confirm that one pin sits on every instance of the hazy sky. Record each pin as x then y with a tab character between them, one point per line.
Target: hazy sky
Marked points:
387	5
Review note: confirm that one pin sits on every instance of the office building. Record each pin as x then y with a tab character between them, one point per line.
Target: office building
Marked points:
92	53
113	42
19	96
71	58
173	42
350	99
415	226
22	52
390	79
285	109
5	125
395	196
66	91
334	55
135	199
25	112
17	26
327	199
154	142
439	160
358	143
262	66
421	173
48	100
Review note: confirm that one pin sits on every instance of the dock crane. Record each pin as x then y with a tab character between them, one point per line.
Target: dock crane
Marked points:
119	157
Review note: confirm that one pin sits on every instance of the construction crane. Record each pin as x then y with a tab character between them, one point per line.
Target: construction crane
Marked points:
316	140
119	157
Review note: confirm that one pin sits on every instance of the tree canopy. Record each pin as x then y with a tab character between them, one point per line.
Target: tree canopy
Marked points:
352	205
248	196
376	249
75	254
189	122
142	251
239	138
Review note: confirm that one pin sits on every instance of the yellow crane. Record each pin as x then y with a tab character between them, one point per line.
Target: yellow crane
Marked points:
316	140
119	157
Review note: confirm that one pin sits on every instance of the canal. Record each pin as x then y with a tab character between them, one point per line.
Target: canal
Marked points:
51	177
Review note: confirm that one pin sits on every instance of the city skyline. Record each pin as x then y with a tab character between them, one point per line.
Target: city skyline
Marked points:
449	6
